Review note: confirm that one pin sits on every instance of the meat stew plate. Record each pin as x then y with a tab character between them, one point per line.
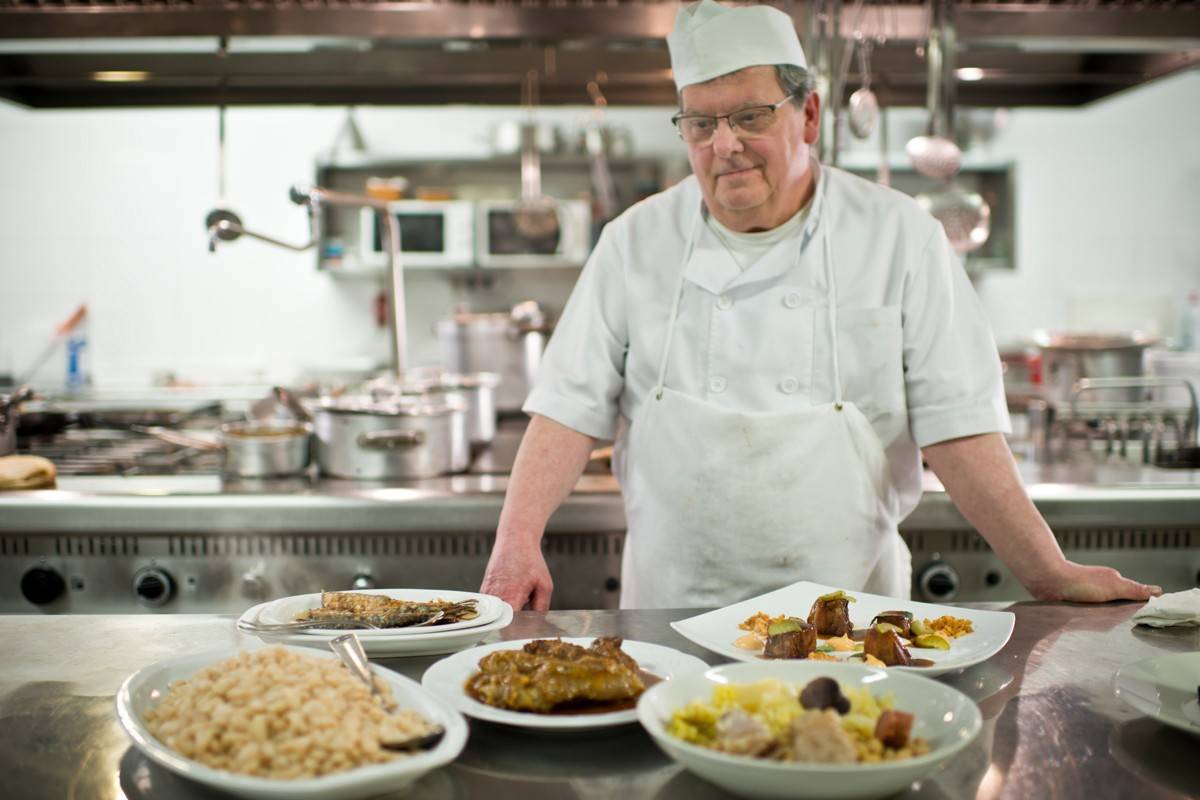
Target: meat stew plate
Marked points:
718	630
447	680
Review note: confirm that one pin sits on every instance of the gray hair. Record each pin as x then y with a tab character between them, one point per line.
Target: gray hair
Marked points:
795	81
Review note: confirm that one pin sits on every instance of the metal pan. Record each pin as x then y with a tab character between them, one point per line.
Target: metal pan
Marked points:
250	449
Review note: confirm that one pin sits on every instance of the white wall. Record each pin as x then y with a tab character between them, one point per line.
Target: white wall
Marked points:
107	207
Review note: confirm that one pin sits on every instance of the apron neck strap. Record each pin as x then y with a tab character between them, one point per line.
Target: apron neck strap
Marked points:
693	234
831	301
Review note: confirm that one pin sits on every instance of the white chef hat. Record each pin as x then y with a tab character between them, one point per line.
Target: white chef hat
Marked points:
710	39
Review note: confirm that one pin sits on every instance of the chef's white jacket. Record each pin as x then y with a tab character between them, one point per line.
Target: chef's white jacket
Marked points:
916	353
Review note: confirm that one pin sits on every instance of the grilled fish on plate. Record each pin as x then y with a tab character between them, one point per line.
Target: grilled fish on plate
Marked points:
386	612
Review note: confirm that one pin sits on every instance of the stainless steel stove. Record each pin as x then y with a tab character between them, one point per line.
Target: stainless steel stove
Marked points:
120	452
142	526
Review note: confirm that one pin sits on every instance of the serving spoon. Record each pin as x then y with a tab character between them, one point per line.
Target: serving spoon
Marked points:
349	649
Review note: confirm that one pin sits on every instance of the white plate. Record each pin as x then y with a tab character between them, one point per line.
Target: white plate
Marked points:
285	609
447	677
1165	688
432	643
945	717
142	690
717	630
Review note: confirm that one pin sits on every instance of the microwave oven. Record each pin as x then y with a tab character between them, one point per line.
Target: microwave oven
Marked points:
433	233
501	243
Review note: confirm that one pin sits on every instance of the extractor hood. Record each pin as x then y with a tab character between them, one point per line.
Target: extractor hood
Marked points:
77	53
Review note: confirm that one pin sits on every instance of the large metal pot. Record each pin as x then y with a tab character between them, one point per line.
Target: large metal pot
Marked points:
1069	357
250	448
509	344
397	438
265	449
478	391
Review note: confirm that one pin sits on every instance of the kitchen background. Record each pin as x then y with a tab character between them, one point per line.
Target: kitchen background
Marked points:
106	207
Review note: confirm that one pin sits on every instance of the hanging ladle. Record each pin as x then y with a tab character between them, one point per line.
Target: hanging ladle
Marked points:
535	214
935	155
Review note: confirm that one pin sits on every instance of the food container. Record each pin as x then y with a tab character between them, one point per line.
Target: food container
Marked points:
396	438
265	449
1069	357
509	344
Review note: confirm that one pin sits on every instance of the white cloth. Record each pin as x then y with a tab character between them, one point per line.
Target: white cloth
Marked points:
710	39
916	354
746	248
722	505
1175	608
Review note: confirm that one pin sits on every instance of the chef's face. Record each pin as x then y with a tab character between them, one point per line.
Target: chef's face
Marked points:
759	181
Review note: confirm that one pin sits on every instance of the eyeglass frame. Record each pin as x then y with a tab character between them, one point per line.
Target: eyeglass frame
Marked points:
677	118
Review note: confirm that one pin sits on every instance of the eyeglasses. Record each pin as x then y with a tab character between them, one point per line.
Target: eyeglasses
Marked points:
752	121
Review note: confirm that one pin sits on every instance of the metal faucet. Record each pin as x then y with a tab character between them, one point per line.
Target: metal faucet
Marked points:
225	226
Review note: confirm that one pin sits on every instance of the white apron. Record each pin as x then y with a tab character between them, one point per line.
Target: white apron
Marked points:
724	505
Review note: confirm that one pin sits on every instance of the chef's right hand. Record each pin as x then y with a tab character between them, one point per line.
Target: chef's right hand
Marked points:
517	574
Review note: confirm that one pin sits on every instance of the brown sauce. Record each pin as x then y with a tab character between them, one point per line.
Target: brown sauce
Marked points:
575	709
921	662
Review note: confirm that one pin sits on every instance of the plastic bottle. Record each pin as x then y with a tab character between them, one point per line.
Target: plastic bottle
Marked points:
78	375
1189	333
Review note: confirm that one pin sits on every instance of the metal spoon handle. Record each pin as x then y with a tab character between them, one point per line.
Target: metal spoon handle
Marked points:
350	650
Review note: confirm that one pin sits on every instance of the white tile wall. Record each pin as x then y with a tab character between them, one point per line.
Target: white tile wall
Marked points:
107	207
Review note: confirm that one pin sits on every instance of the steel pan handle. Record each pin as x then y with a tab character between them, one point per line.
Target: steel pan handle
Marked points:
390	440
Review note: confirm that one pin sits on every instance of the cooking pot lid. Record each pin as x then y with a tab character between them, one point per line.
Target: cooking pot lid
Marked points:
419	384
394	405
1091	341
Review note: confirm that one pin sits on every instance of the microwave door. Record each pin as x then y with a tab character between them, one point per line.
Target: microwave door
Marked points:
420	235
505	239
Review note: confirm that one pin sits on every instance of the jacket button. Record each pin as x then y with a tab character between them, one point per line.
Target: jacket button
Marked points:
716	385
791	299
789	385
724	302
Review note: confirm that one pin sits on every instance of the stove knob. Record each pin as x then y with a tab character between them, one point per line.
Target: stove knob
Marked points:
939	582
153	586
42	585
254	585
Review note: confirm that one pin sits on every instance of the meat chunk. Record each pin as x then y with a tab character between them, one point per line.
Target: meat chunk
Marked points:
901	619
884	643
830	614
893	728
741	734
818	737
792	644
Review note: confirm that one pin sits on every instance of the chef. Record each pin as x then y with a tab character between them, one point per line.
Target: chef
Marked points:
774	344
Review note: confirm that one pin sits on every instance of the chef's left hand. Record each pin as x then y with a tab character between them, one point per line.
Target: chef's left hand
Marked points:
1079	583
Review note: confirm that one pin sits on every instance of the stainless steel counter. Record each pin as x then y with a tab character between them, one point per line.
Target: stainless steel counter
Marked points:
109	544
1052	726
